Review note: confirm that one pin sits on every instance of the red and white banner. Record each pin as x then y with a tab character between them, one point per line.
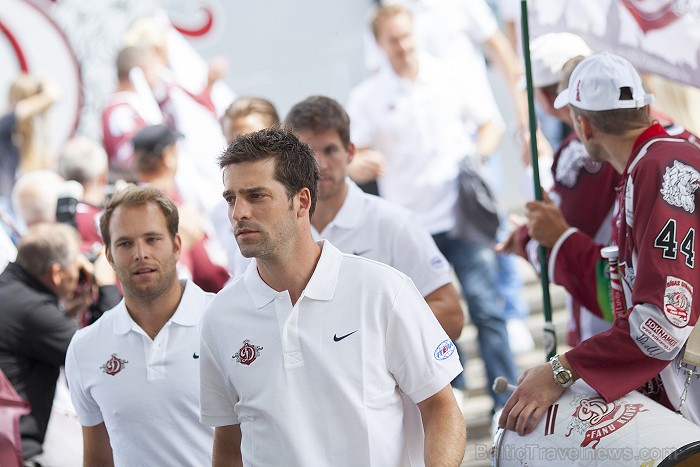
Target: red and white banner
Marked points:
657	36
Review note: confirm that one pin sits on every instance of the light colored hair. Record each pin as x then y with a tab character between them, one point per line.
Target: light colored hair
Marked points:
244	106
83	160
138	196
679	101
146	31
35	195
384	12
46	244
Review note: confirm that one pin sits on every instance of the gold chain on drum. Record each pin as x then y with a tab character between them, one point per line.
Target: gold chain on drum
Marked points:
689	374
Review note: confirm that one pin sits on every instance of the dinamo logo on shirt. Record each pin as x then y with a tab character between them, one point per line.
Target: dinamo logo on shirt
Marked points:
679	185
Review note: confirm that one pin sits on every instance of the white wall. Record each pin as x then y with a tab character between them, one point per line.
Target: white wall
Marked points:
287	50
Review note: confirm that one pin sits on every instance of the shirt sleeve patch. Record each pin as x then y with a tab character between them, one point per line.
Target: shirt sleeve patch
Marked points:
658	334
679	185
444	350
654	335
678	301
437	263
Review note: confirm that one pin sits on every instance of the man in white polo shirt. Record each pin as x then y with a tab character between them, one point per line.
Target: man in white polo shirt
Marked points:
314	357
133	374
418	113
366	225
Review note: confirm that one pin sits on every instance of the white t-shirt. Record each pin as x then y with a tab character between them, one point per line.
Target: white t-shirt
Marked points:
146	392
373	228
423	129
332	380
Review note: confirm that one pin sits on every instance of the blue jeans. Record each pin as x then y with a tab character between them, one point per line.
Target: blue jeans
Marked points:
510	286
476	269
509	281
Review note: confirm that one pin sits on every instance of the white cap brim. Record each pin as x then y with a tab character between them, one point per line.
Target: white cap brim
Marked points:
562	99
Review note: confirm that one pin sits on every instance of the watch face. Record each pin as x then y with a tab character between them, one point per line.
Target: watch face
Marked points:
563	377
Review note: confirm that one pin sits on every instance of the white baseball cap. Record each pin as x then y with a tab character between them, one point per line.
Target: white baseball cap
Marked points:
550	52
596	84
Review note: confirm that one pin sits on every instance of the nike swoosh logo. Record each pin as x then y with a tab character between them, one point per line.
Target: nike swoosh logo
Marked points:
361	252
338	339
195	356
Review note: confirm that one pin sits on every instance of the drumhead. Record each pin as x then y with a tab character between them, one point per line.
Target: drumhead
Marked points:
582	429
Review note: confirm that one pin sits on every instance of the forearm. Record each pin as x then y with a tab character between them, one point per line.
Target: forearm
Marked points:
445	446
227	447
97	450
501	53
488	139
95	462
613	375
445	430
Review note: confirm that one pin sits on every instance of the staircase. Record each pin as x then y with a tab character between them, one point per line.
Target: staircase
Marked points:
477	404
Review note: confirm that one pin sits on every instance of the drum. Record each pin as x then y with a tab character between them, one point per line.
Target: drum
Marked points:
581	429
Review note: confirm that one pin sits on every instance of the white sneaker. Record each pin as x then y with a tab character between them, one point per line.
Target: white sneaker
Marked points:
519	336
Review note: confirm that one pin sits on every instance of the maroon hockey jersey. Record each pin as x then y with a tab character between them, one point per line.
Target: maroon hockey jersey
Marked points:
657	227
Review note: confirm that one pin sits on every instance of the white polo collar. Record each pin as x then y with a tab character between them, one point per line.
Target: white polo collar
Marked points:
186	314
348	216
321	286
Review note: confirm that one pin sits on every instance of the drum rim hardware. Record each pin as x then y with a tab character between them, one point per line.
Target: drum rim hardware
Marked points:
689	372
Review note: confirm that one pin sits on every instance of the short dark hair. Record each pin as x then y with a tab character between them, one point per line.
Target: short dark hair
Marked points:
135	196
615	122
319	114
295	163
46	244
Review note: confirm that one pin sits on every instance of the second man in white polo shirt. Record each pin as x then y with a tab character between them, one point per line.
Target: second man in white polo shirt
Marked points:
366	225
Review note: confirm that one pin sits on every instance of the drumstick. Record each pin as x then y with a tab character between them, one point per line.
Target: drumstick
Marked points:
501	385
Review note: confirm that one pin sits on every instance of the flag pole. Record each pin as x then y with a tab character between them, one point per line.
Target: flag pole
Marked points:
550	338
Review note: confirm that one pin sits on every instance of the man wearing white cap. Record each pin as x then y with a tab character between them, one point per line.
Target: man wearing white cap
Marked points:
610	111
578	181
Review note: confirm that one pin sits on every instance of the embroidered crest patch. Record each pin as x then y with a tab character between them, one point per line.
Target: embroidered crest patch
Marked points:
679	185
248	353
114	365
678	301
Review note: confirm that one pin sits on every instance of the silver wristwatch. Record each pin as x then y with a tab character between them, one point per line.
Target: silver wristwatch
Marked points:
562	376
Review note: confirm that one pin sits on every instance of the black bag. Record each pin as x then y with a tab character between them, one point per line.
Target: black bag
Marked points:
477	207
